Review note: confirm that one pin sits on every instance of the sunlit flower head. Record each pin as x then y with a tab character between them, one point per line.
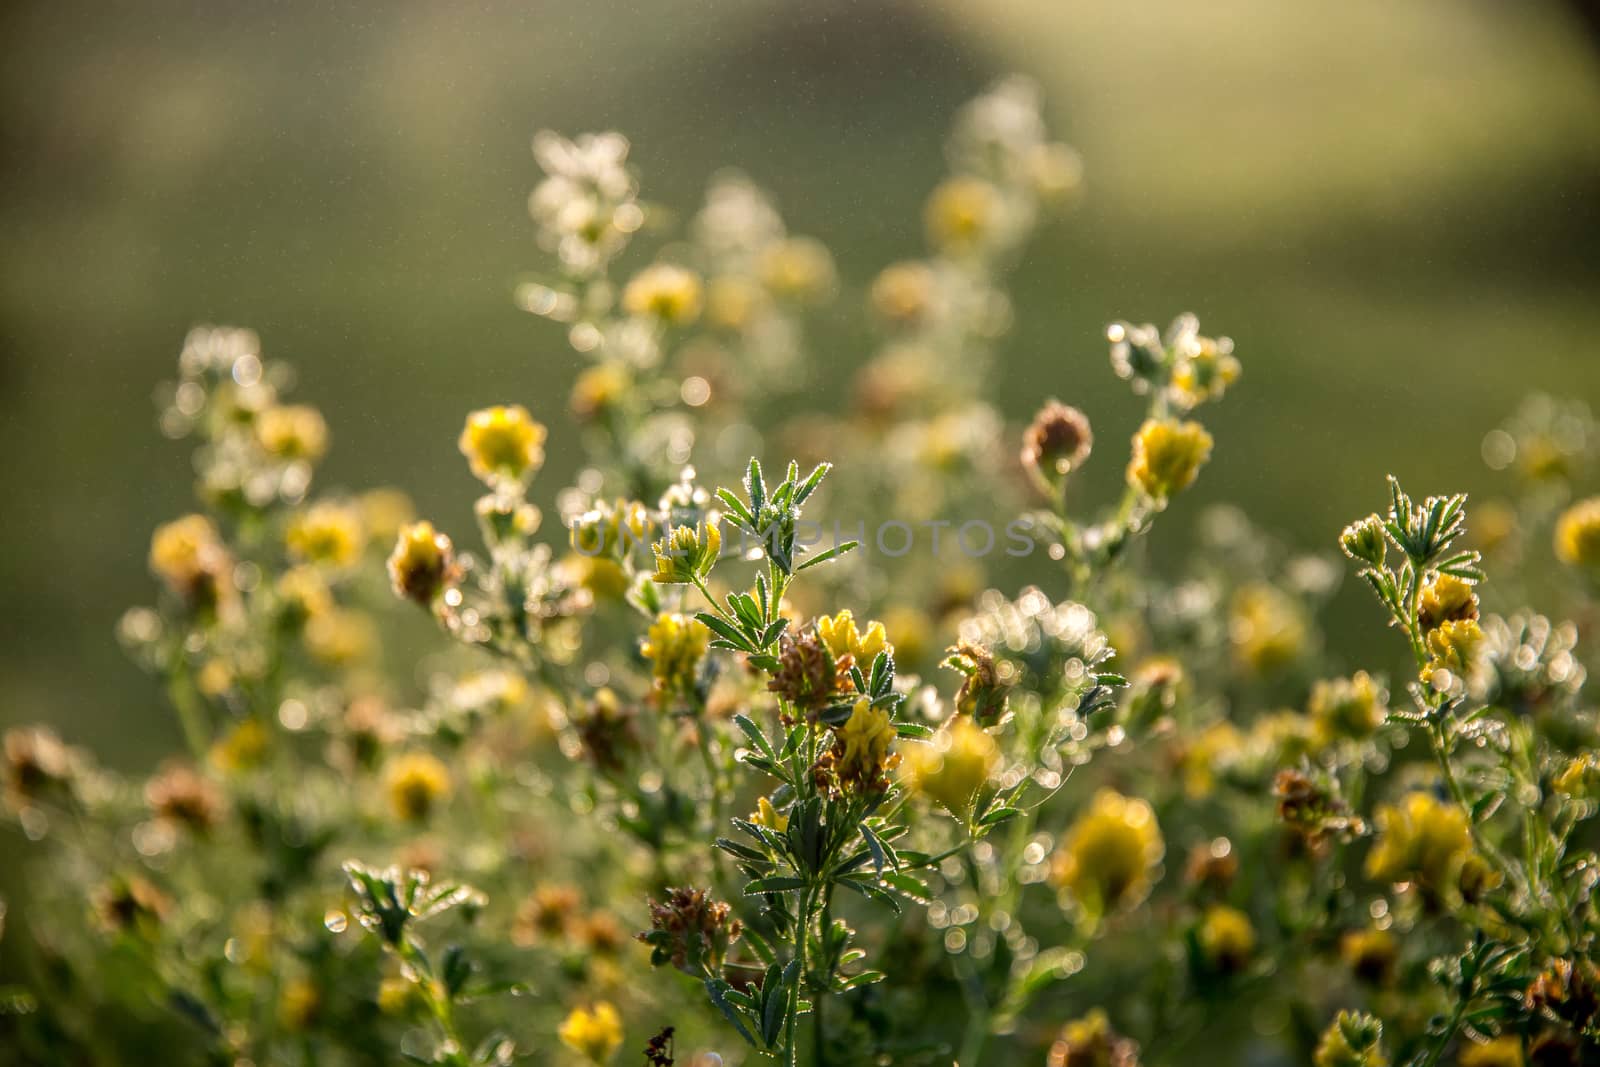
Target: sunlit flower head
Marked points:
421	562
593	1032
1167	455
1578	534
416	782
952	768
1108	855
666	292
503	445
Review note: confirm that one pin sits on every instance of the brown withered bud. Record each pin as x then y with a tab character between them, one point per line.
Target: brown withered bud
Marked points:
691	931
983	693
1311	809
658	1053
37	765
1212	866
1567	991
1091	1042
130	904
808	675
607	731
179	795
547	914
1056	444
600	933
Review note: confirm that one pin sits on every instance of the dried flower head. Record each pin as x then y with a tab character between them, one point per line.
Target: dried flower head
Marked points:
1056	443
181	796
130	905
38	766
692	931
809	676
549	913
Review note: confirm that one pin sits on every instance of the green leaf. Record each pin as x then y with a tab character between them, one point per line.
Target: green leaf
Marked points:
775	884
833	553
813	479
724	629
717	990
998	816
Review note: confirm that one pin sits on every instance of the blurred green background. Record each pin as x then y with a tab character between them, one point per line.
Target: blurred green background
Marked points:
1393	208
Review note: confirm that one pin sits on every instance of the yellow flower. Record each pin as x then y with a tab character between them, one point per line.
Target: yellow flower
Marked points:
595	1033
604	579
299	1004
610	529
799	268
1446	599
1266	627
962	213
503	444
1580	779
1354	1039
687	553
1422	839
1107	855
1227	940
598	389
189	556
384	512
1453	647
1578	534
241	748
1503	1051
904	292
420	562
1206	372
863	744
1089	1041
1199	759
769	816
840	634
1167	455
732	302
664	291
293	431
675	645
913	632
1055	171
415	782
952	769
326	533
339	638
302	594
1370	954
1347	708
395	996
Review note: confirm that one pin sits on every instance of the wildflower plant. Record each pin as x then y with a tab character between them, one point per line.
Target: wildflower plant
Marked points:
725	786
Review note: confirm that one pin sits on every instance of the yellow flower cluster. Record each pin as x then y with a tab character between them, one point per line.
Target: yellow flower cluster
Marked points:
1227	939
842	636
328	533
666	292
1427	840
416	782
593	1032
503	445
1347	708
1167	455
1578	534
1107	856
675	644
687	553
963	213
951	770
292	431
189	556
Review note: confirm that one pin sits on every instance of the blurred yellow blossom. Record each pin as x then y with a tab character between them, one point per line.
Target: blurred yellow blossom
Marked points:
666	292
503	444
415	782
1167	455
1108	854
594	1032
954	766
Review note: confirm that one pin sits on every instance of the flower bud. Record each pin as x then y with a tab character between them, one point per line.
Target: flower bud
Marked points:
421	562
1355	1039
1365	541
1056	444
687	553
